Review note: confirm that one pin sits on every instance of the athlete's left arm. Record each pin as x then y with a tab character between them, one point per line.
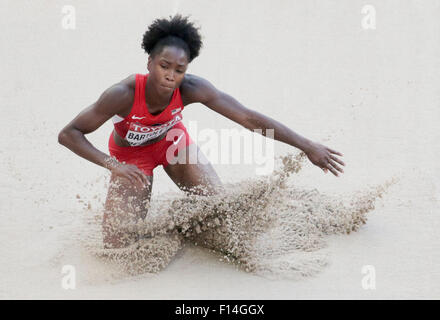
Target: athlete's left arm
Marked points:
200	90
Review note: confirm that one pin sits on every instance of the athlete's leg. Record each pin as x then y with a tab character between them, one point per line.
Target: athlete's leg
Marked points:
199	178
125	204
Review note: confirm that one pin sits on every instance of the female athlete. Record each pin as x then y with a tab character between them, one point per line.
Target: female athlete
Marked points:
148	132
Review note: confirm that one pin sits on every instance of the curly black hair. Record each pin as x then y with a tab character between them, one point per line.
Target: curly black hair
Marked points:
177	31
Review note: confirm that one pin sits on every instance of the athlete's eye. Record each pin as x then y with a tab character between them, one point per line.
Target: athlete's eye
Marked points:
165	67
179	71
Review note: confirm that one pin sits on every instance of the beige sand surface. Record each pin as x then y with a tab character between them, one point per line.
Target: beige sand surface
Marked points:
371	94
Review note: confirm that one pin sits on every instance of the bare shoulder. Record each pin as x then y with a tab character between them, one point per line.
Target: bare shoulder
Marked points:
118	97
130	81
197	89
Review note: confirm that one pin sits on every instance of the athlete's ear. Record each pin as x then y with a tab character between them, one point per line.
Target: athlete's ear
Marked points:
148	63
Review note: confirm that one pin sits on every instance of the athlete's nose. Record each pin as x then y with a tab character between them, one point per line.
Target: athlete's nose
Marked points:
170	75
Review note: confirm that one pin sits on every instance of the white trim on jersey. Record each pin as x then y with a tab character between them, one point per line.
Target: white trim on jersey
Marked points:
117	118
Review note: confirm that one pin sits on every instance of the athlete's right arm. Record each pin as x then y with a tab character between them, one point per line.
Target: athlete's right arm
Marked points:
114	100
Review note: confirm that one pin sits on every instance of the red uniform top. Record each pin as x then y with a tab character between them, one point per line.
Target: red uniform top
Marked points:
140	125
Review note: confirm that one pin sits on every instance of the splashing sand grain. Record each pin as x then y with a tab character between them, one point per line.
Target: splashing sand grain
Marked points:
261	225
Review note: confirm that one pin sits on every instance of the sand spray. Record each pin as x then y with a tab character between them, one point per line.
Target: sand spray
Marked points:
262	225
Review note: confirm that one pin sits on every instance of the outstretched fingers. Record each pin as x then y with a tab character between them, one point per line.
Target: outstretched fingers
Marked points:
337	160
334	162
334	165
335	152
332	170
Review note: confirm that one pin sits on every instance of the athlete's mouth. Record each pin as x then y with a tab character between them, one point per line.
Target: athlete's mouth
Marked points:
170	88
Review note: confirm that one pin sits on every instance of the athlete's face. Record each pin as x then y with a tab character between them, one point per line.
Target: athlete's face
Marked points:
168	68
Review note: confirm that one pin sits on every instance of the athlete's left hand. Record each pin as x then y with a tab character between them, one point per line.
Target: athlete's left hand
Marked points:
325	158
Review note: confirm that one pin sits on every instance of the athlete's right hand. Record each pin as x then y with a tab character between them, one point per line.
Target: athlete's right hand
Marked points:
132	173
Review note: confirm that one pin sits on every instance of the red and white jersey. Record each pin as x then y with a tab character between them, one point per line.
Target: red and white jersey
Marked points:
140	125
